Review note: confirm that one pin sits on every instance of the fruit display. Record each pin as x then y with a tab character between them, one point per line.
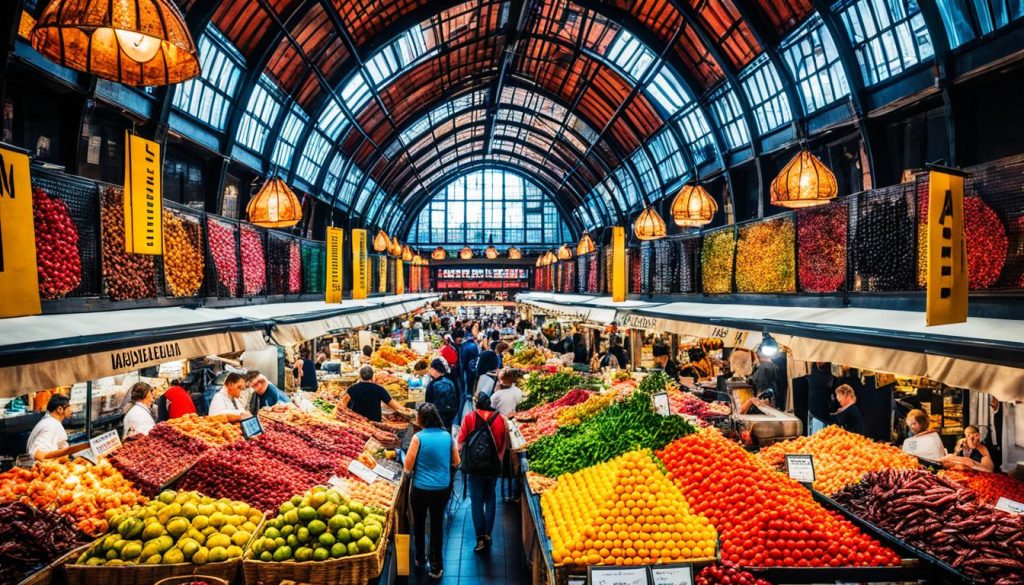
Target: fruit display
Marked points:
543	388
883	250
623	512
294	268
88	494
183	254
362	425
394	357
617	429
254	263
32	538
716	260
127	276
57	258
686	404
574	415
224	251
727	574
541	420
151	461
397	387
321	524
176	527
212	430
821	255
944	519
379	494
764	519
766	257
539	483
986	239
297	447
840	457
989	486
527	357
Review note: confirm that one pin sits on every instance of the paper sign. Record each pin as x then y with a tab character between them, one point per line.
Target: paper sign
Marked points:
661	405
1011	506
668	575
387	469
617	576
577	580
19	275
361	471
335	481
251	427
947	282
335	263
800	468
143	227
105	444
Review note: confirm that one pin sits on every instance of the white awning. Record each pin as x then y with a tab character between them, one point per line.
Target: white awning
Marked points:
583	307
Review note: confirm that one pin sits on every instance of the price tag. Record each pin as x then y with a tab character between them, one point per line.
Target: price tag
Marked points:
577	580
361	471
335	482
661	404
252	427
104	444
389	470
372	445
672	575
1011	506
800	468
617	576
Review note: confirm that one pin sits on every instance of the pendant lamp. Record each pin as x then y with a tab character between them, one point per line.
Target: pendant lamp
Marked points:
465	253
649	225
136	42
381	242
396	247
406	254
540	261
439	254
274	206
550	258
514	253
805	181
564	253
586	245
417	260
491	252
693	206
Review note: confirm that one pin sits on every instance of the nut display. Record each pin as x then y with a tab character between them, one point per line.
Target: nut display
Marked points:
716	261
127	276
765	257
183	254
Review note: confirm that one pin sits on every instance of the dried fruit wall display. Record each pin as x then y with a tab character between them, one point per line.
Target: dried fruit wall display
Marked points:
127	276
821	252
183	254
716	261
57	257
765	257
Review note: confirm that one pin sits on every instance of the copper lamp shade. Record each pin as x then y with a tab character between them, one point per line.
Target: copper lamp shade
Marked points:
549	258
564	253
649	225
406	254
395	249
439	253
465	253
491	252
274	206
586	245
134	42
693	207
381	242
540	261
805	181
514	253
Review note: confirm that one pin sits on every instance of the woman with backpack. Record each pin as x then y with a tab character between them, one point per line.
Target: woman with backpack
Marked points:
483	441
432	456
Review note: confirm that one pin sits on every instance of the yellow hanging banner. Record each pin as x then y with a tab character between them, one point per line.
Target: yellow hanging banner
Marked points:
399	277
382	284
19	277
946	299
335	263
618	264
360	266
142	196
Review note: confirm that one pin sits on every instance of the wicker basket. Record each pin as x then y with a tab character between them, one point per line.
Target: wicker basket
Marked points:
354	570
53	572
189	578
147	574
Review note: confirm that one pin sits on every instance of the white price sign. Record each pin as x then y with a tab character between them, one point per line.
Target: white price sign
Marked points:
577	580
672	575
105	444
388	470
617	576
1011	506
361	471
800	468
661	404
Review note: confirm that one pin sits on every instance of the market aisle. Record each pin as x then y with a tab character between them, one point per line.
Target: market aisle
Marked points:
505	563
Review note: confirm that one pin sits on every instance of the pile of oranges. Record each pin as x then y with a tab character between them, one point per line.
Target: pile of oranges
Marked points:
989	486
764	518
840	457
623	512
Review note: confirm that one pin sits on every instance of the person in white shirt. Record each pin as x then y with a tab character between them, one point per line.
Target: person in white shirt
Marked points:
48	439
506	395
924	442
229	399
139	418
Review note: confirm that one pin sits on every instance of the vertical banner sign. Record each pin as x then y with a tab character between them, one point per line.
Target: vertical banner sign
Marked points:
360	266
19	277
947	250
618	264
335	262
399	277
142	191
382	284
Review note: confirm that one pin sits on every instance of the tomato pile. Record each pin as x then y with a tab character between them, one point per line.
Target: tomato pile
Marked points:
764	518
989	486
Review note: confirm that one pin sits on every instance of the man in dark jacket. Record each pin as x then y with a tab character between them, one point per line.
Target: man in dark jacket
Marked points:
441	392
469	351
455	371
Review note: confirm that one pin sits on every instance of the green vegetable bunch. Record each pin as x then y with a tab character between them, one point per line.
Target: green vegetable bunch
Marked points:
324	405
655	382
622	427
544	388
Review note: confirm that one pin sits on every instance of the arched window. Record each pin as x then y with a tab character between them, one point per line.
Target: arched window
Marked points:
490	204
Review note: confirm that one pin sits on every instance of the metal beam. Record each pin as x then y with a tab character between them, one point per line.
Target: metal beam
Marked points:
518	22
944	74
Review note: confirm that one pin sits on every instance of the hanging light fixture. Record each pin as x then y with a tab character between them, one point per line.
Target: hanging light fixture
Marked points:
417	260
274	206
491	252
406	254
396	247
564	253
439	254
693	206
586	245
540	261
514	253
649	225
381	242
551	258
465	253
805	181
141	42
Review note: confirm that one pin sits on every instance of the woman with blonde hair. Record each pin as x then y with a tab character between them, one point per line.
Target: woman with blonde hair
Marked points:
848	416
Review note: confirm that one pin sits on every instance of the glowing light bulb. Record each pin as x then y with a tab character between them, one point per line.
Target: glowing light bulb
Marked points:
139	47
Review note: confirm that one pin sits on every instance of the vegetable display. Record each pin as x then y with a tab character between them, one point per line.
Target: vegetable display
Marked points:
57	258
32	539
224	250
620	428
543	388
183	254
764	519
623	512
254	263
574	415
765	257
716	261
821	255
989	486
840	457
545	417
944	519
526	357
127	276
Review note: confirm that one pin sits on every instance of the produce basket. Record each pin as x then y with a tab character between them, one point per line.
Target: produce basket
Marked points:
189	578
147	574
352	570
53	572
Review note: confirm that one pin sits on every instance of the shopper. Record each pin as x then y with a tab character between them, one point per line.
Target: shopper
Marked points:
663	360
264	393
615	350
970	453
175	402
487	368
469	354
848	416
304	371
139	418
580	353
483	440
48	439
432	456
502	349
367	355
700	367
924	442
441	392
228	400
507	395
365	397
456	373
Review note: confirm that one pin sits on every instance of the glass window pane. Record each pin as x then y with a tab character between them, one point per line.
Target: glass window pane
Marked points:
208	96
810	53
